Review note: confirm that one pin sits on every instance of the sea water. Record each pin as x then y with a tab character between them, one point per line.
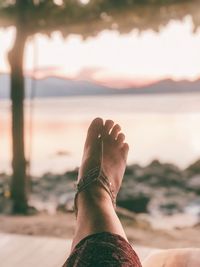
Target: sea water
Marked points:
164	127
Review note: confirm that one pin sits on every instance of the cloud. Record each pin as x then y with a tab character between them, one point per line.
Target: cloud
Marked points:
88	73
43	72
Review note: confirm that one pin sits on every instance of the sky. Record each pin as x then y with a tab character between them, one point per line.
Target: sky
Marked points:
111	58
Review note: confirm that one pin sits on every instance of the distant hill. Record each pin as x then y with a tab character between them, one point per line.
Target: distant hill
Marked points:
57	87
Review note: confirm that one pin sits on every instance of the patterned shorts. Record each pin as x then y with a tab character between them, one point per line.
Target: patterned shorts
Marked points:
103	250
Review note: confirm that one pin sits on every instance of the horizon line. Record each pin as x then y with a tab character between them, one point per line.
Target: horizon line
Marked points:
45	77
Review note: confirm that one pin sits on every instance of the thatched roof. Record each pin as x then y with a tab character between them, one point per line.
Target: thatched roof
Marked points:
89	19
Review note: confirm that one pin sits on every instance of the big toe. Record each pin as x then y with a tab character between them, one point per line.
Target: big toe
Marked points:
94	130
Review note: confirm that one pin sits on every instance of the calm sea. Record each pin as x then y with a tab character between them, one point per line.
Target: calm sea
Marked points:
165	127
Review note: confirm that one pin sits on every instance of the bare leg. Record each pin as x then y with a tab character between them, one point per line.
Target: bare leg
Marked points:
95	208
174	258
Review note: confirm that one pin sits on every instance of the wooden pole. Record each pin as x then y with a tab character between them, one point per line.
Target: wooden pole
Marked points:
19	180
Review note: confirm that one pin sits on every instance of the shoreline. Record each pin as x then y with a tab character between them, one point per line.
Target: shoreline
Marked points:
150	198
62	226
156	189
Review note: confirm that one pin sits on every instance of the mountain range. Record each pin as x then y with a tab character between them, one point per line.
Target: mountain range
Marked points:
58	87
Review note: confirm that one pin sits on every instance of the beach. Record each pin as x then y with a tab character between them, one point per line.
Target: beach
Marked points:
62	226
158	206
161	180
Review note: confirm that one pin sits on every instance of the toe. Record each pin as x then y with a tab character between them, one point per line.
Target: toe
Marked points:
95	129
115	130
120	138
108	126
125	149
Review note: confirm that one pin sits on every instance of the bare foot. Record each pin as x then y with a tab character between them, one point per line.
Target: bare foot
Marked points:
92	149
95	211
114	153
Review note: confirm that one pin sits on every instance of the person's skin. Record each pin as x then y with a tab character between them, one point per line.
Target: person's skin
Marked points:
95	208
188	257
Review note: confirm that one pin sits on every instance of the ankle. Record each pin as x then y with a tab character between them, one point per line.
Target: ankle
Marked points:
93	197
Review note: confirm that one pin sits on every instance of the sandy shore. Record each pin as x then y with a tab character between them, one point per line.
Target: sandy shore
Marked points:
62	226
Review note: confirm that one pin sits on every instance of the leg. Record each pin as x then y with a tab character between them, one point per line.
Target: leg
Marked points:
174	258
99	237
95	208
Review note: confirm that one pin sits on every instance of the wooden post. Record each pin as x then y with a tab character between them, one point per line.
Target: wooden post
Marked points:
19	180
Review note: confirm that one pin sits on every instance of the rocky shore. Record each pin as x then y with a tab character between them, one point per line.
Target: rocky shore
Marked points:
157	188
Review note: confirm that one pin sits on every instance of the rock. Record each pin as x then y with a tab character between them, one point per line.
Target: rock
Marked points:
162	175
129	171
194	207
72	175
158	186
194	168
170	208
66	202
134	218
193	184
5	205
136	204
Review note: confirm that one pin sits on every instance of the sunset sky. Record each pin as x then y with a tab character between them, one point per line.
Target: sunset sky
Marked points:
117	61
111	58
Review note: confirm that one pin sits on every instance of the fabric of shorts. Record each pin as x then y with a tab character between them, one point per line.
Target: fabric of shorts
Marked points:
103	250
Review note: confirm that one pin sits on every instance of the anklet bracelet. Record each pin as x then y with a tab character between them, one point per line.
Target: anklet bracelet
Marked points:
94	175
